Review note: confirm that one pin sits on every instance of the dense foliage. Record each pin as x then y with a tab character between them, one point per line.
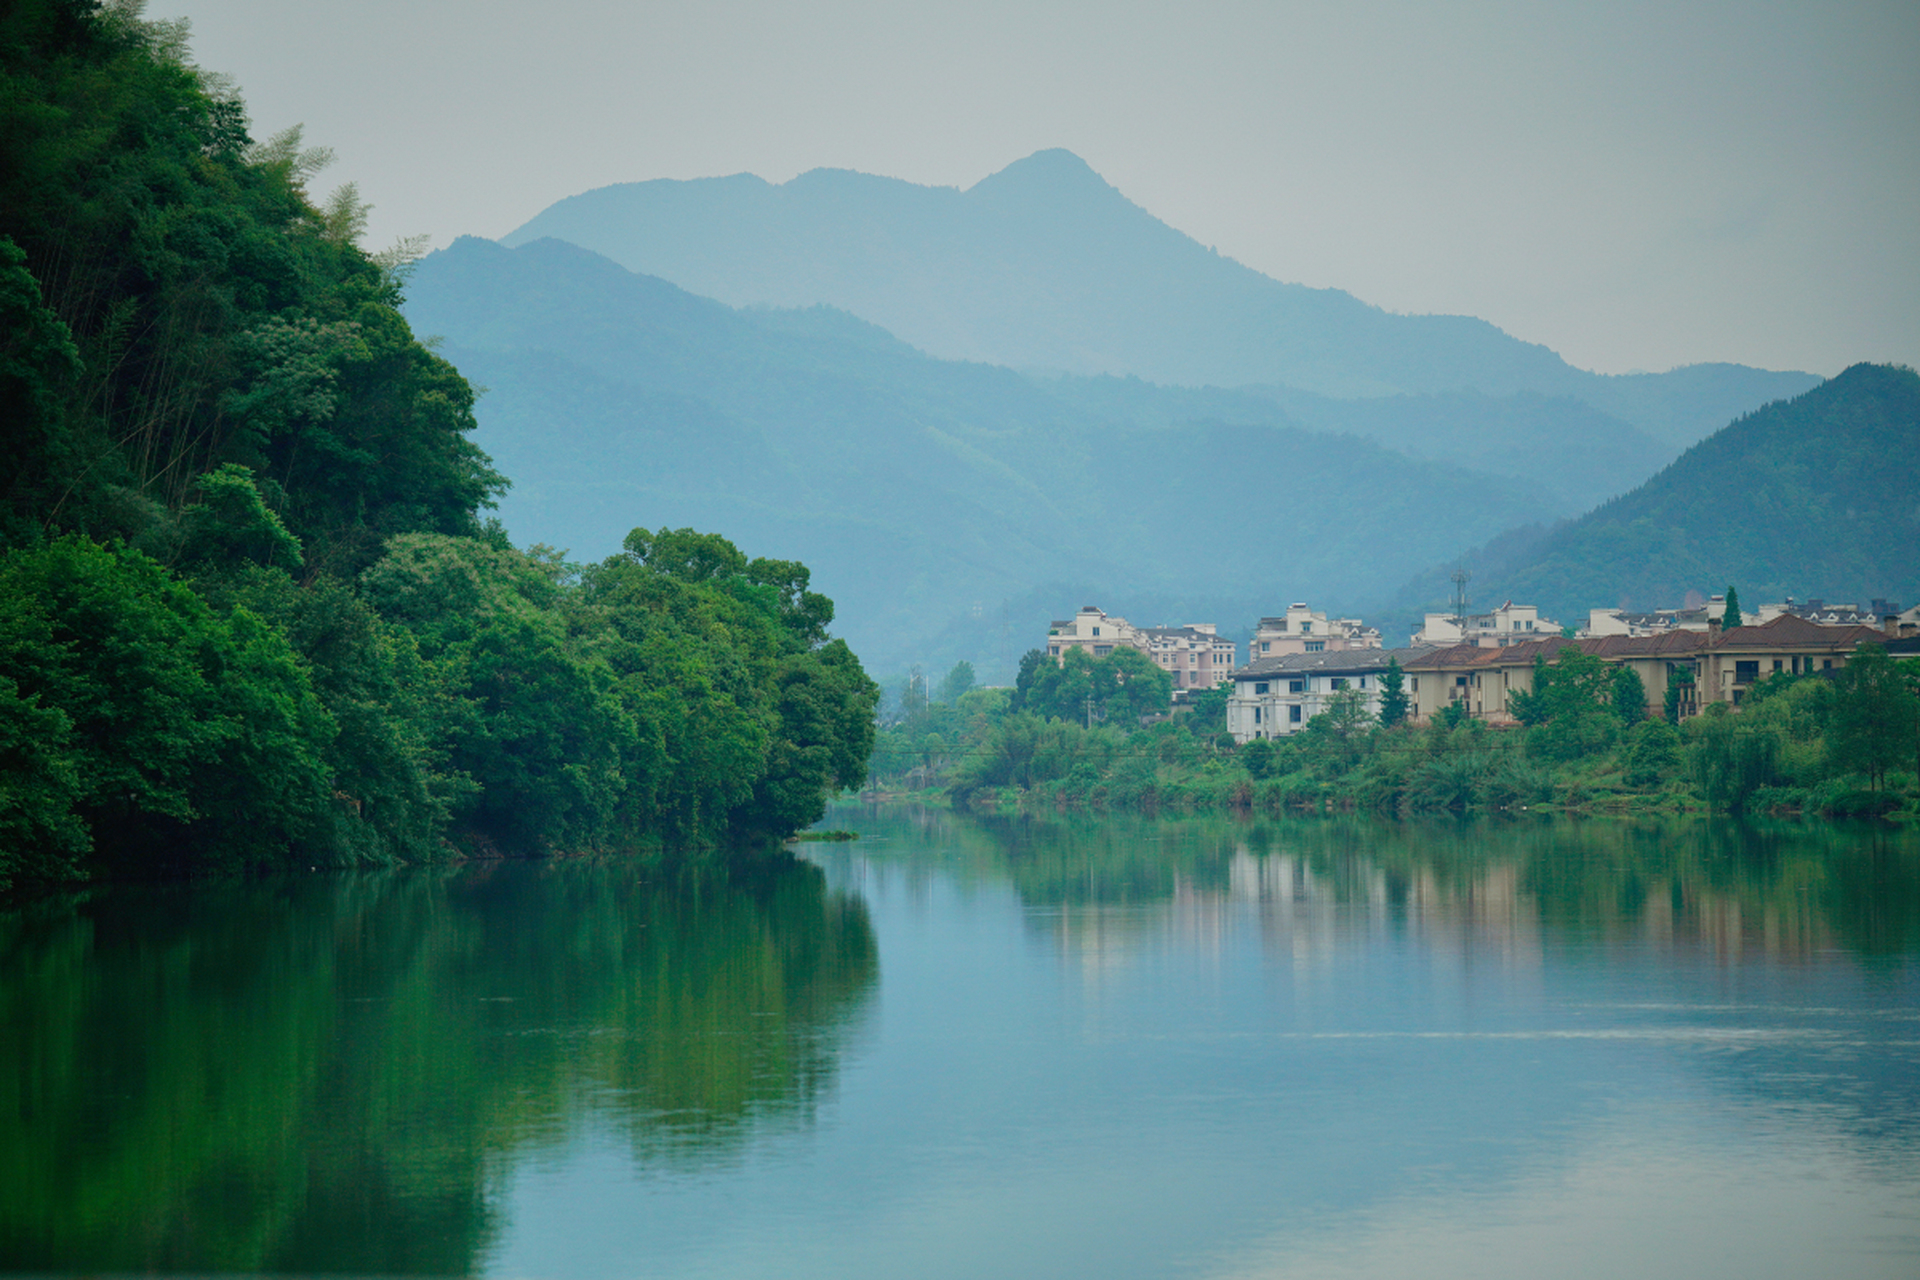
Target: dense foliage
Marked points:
1815	496
249	609
1845	742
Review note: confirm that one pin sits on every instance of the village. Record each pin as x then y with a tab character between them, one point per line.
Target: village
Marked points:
1686	658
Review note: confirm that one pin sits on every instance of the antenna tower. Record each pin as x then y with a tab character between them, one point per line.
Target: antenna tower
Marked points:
1460	579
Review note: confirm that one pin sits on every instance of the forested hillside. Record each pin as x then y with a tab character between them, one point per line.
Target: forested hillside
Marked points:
923	491
1045	266
1817	496
249	610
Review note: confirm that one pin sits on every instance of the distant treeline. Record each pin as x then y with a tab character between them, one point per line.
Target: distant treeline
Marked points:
1070	737
249	610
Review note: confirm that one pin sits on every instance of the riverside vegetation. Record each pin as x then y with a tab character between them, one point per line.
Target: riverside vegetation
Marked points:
250	612
1072	736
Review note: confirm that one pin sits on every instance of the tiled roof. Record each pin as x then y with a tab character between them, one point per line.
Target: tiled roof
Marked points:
1335	662
1789	632
1522	654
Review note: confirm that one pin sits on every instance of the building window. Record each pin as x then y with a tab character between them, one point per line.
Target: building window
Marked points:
1306	628
1316	646
1416	684
1260	686
1293	713
1266	646
1096	631
1296	686
1339	682
1053	650
1776	664
1102	650
1256	715
1363	682
1746	672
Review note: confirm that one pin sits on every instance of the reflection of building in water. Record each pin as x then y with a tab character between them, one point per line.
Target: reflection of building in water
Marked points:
1310	911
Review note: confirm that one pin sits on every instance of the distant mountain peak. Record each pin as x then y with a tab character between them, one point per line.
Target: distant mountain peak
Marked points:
1049	174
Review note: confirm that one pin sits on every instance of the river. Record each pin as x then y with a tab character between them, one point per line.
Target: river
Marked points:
967	1047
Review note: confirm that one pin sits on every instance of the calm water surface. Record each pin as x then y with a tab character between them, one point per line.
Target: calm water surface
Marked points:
1100	1048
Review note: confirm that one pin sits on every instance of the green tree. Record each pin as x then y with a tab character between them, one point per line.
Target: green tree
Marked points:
1569	710
1873	714
1629	696
1731	618
143	724
1393	695
958	683
1257	758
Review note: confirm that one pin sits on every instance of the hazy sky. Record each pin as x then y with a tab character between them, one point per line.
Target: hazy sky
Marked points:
1636	185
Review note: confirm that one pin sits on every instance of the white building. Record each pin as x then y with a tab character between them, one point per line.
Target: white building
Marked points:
1304	630
1196	655
1509	624
1094	631
1275	696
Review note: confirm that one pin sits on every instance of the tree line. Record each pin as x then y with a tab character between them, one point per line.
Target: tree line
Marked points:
251	610
1844	742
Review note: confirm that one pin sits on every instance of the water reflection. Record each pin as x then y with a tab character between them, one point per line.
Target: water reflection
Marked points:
1783	891
330	1074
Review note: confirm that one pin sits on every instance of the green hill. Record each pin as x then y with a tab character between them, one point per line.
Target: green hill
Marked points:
1817	496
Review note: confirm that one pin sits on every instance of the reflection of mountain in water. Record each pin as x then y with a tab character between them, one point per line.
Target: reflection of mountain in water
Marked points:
322	1074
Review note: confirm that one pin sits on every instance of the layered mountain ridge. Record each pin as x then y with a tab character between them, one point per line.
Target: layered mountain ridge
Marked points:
1045	266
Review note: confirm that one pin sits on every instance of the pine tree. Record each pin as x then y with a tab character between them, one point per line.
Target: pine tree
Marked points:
1393	695
1731	618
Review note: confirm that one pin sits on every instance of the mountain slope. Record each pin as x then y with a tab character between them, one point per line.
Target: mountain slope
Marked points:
1817	496
919	490
1044	265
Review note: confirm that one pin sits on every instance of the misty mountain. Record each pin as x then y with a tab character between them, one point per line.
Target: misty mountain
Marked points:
1814	497
921	491
1044	266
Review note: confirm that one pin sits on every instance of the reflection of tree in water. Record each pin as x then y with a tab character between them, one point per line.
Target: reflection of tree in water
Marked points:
321	1074
1793	907
1786	889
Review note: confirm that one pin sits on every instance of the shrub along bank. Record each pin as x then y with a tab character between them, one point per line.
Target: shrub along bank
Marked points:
1844	744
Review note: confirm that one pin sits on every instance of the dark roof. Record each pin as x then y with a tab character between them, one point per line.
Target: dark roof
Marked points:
1612	647
1336	662
1789	632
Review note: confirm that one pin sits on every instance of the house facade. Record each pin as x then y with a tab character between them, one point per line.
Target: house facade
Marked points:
1483	681
1196	655
1709	666
1736	660
1304	630
1509	624
1277	695
1093	630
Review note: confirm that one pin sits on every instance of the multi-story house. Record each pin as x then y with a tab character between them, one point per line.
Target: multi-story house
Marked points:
1094	631
1509	624
1734	661
1276	695
1196	656
1483	680
1709	665
1303	630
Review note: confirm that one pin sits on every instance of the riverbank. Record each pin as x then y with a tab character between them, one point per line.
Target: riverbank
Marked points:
1806	746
